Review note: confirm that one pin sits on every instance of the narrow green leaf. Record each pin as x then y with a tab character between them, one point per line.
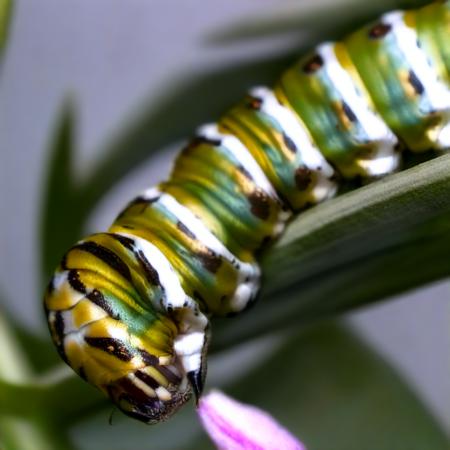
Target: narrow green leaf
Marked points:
371	243
331	390
371	218
59	222
6	7
397	215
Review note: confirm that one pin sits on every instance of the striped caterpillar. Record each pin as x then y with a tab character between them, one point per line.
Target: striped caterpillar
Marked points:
129	310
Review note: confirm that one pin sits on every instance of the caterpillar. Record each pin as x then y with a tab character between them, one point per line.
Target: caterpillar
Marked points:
129	309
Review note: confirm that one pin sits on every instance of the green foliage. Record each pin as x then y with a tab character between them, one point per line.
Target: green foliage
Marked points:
23	426
61	201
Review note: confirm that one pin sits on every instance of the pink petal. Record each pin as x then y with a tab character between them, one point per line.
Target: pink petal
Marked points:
236	426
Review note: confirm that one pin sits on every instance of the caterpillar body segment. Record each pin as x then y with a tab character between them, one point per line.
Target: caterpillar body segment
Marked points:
210	273
282	146
129	310
402	78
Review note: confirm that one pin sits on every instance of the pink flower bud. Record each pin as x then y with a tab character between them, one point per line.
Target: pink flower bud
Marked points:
236	426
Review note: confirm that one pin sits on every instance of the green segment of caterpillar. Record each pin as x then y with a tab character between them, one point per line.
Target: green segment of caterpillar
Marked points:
129	310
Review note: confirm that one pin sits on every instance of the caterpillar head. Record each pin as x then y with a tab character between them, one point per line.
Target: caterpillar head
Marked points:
119	323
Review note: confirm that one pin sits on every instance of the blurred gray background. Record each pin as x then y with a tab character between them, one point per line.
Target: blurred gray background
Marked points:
110	55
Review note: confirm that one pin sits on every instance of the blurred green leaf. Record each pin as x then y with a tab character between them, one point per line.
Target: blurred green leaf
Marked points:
6	7
332	391
375	216
34	433
60	398
24	416
405	212
320	20
60	198
40	351
14	366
